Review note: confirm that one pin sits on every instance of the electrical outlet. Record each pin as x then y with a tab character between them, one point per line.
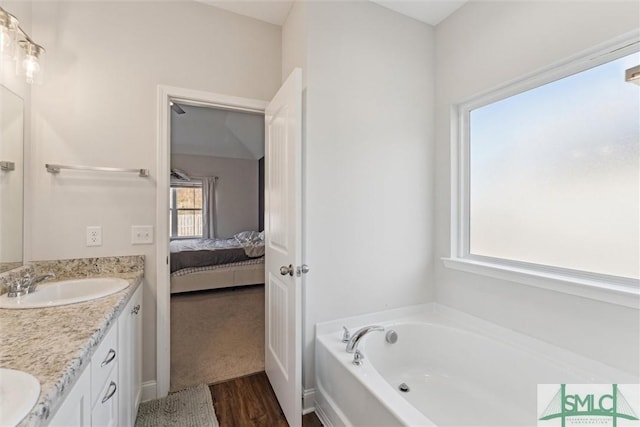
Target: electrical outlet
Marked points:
94	235
141	234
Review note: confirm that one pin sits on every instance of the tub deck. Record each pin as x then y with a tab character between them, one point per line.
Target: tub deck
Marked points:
462	371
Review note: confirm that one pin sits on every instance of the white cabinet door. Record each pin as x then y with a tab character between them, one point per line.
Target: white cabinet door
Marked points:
130	369
76	408
105	410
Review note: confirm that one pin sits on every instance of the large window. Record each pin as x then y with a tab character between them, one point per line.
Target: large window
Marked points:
549	176
186	211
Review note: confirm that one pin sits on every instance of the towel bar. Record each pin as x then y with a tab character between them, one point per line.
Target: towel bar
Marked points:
51	168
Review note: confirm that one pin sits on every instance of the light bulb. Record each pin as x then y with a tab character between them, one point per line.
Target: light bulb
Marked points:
31	68
30	65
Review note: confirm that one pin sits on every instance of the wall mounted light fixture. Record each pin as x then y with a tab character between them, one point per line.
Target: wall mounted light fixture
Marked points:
8	29
16	45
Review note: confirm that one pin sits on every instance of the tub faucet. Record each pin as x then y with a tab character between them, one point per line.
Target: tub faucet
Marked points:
352	345
27	284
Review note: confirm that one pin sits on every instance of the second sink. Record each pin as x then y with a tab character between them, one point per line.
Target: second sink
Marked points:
65	292
19	391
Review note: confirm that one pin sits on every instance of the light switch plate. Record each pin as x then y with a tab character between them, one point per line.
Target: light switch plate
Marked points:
141	234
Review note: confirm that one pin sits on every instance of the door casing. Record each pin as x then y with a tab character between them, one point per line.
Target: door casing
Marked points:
166	94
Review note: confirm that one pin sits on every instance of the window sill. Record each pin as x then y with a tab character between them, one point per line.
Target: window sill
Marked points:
613	293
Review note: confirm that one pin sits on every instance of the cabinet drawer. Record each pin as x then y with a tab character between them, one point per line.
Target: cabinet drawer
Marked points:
103	362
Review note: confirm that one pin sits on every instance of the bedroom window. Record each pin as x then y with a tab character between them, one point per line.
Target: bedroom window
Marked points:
547	176
185	217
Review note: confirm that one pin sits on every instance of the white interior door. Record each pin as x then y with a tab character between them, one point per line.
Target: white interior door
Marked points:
283	322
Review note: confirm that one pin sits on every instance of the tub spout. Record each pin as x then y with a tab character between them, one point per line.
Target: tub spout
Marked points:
352	345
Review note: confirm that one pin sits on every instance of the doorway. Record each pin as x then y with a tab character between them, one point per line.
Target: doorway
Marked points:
216	262
186	99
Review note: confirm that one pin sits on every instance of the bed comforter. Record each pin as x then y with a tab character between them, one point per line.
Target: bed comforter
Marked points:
187	253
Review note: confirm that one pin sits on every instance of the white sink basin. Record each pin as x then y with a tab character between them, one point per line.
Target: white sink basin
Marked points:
65	292
19	391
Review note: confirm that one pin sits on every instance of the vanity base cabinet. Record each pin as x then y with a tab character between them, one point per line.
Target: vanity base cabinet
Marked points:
108	391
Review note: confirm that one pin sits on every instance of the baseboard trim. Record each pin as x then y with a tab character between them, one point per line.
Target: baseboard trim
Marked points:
149	390
308	401
322	416
329	413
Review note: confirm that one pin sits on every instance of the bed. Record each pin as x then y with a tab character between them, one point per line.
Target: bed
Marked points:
202	264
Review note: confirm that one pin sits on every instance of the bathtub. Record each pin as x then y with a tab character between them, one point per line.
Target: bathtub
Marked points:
460	370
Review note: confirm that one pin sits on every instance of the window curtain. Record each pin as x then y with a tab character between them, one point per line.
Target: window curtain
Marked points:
209	219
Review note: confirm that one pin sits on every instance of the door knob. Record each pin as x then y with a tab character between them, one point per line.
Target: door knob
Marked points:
284	270
303	269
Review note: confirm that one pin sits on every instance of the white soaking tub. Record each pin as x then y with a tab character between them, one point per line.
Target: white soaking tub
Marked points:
460	370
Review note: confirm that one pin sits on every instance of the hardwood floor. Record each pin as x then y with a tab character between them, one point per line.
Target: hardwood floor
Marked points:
250	401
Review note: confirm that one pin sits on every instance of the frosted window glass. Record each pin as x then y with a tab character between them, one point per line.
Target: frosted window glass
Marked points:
554	174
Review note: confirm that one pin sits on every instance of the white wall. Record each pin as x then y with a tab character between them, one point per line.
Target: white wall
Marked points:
98	107
295	33
485	44
367	157
236	191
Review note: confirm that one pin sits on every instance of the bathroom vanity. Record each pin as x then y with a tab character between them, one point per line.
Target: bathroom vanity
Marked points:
86	356
108	391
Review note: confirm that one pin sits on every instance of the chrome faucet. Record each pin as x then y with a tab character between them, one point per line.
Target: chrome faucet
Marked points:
352	345
27	284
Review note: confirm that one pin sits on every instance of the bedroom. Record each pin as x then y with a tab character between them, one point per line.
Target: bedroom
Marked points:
216	214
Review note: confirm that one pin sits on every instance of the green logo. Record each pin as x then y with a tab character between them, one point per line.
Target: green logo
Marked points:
586	405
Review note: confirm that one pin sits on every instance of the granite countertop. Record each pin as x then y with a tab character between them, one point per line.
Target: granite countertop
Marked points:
55	344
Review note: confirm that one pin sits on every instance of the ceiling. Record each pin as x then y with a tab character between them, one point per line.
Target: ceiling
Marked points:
275	12
428	11
203	131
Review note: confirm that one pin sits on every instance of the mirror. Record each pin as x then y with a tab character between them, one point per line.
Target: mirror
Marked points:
11	179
